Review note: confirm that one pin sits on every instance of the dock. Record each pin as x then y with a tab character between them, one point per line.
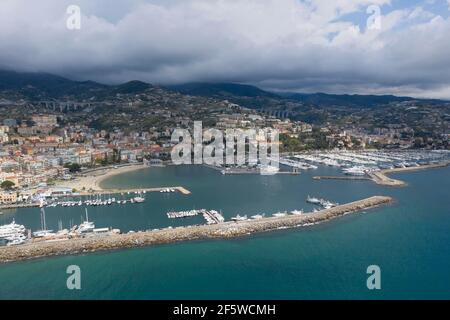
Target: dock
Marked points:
341	178
226	230
181	190
381	177
18	206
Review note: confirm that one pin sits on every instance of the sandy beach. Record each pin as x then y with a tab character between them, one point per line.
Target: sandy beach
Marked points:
92	180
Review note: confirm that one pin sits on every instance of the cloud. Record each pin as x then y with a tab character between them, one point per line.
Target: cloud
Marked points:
278	44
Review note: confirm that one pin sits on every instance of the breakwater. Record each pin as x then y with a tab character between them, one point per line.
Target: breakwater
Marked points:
166	236
341	178
381	177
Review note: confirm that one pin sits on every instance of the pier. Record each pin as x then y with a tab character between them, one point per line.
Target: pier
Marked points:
381	178
181	190
341	178
224	230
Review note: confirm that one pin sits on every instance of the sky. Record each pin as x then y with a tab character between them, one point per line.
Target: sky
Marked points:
399	47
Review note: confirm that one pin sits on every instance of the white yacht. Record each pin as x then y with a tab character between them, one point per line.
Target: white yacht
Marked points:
139	199
87	226
313	200
268	170
355	171
297	212
12	230
239	218
280	215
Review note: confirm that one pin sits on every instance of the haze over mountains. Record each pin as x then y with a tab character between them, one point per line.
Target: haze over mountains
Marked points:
41	86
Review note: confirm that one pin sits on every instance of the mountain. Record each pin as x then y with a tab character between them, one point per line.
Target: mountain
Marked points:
222	90
131	87
254	97
47	86
42	86
345	100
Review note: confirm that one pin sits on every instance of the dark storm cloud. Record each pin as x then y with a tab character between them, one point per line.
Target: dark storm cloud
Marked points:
281	45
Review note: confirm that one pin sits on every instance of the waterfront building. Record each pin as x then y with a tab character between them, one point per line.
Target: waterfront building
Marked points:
8	197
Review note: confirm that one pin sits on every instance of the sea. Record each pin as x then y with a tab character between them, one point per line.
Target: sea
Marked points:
409	240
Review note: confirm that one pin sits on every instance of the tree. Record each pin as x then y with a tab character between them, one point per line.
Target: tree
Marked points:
7	185
73	167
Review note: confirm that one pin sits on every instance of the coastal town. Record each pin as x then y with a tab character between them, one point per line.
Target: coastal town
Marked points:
53	145
57	152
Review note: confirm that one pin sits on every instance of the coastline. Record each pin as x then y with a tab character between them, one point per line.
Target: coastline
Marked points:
92	180
225	230
382	178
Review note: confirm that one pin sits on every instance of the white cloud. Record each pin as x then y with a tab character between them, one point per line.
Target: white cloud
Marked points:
281	44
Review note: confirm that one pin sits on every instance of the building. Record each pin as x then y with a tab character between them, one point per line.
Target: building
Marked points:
8	197
45	121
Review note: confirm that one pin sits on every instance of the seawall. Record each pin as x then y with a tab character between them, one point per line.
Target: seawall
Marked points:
166	236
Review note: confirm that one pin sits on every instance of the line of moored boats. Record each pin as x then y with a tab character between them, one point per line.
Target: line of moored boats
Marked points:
15	234
359	163
94	201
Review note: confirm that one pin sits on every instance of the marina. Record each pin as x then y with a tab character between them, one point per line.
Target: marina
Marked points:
171	235
96	198
14	234
362	163
408	217
211	216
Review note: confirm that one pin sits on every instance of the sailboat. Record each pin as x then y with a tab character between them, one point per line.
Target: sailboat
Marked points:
86	226
43	232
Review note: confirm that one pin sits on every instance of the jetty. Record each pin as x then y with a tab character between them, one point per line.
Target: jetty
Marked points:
169	235
381	178
341	178
181	190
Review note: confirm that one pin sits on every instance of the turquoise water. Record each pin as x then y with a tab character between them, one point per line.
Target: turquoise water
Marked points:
409	240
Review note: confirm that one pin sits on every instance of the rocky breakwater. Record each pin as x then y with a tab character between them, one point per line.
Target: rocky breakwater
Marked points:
381	177
165	236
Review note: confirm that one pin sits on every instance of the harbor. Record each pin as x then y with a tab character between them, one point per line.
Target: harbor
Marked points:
232	229
362	163
381	176
14	234
98	197
252	170
211	216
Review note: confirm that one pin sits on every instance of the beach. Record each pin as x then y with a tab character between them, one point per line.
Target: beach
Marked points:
92	180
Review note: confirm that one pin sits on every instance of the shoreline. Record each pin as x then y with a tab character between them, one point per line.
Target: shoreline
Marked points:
382	178
225	230
92	180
